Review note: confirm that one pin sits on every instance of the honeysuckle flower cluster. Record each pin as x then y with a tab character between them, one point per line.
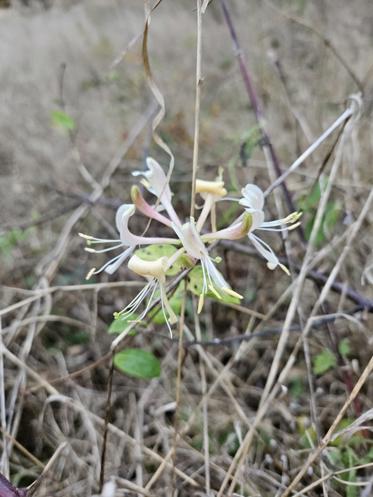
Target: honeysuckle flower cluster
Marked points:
191	238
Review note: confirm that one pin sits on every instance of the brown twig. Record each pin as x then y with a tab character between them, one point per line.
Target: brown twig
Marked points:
363	302
254	99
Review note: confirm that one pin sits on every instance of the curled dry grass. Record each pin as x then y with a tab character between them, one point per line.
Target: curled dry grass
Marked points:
243	411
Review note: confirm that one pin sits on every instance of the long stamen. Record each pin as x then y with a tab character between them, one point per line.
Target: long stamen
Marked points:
167	306
284	228
291	218
100	251
210	269
204	289
136	302
165	318
92	239
150	300
205	283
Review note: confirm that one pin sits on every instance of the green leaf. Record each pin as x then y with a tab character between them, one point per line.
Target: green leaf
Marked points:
350	459
138	363
154	252
62	120
296	387
349	441
195	285
324	361
121	323
311	201
344	347
331	217
320	237
249	143
332	214
11	239
309	438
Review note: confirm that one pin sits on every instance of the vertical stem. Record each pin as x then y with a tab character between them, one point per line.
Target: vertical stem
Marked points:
197	106
180	361
4	462
255	103
106	423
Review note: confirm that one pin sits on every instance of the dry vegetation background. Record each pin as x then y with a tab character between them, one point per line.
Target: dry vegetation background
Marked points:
67	55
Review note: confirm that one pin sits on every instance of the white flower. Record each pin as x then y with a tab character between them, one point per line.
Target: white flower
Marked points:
126	240
213	280
210	191
157	183
253	201
215	188
155	272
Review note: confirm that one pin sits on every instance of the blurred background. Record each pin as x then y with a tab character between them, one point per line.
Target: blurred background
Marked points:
74	101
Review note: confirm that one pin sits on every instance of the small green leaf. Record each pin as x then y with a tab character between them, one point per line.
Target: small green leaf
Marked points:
11	239
121	323
113	76
331	217
311	201
195	285
296	387
344	347
349	441
324	361
308	438
138	363
250	141
62	120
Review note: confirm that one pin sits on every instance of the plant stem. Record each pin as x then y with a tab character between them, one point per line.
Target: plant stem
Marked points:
254	100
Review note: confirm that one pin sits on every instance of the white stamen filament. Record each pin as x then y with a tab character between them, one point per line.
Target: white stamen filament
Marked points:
100	251
94	271
284	228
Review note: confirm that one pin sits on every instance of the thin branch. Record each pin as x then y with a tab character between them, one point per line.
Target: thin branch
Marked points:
364	303
197	106
254	99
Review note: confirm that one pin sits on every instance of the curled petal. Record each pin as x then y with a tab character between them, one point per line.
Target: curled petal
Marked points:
150	269
156	180
253	197
157	183
146	209
124	212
